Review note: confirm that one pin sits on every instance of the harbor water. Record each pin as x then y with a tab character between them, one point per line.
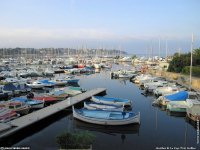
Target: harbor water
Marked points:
158	129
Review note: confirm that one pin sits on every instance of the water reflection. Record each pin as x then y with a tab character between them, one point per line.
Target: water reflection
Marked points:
111	130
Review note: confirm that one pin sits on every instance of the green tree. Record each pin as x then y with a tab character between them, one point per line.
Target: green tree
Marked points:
180	61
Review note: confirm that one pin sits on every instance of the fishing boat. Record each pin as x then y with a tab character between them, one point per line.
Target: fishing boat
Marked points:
7	114
102	117
193	109
111	100
35	104
100	106
19	107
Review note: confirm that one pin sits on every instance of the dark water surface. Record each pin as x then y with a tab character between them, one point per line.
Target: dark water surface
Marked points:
157	128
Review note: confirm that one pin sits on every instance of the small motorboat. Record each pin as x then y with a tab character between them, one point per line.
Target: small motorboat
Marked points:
36	85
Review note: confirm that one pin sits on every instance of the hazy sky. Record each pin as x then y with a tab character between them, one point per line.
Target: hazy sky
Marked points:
132	25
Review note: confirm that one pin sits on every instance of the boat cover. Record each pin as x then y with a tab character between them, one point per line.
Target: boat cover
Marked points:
182	95
9	87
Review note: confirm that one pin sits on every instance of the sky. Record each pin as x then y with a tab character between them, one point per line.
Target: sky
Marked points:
134	26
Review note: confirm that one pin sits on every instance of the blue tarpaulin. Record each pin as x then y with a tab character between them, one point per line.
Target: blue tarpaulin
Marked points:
182	95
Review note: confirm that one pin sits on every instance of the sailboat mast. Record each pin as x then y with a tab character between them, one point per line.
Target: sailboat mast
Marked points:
166	46
159	48
191	61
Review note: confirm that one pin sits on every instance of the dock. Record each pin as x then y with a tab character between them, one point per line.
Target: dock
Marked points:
34	117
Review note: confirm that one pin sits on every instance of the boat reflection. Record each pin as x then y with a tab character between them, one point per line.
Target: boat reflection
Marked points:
127	129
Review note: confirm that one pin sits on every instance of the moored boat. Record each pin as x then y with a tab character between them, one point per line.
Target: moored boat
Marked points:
47	83
164	100
36	85
193	109
7	114
111	100
35	104
102	117
18	107
100	106
177	106
46	99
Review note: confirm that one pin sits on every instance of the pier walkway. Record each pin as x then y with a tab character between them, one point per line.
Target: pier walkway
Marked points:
36	116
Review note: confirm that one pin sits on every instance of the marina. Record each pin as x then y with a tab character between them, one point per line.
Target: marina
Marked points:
99	75
154	123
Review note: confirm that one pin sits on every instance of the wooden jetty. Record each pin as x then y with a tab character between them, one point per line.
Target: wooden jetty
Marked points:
34	117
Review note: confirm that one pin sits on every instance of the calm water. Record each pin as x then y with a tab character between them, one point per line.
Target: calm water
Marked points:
157	127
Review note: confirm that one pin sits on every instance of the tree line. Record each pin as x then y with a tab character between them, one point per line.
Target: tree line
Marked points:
181	63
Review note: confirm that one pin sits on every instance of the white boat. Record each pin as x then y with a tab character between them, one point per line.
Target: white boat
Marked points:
177	106
125	75
111	100
150	87
36	85
166	90
102	117
138	79
97	66
99	106
193	110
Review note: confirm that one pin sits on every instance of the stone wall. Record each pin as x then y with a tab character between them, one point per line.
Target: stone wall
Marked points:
179	78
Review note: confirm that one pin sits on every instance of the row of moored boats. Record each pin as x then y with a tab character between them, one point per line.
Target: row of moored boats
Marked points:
170	96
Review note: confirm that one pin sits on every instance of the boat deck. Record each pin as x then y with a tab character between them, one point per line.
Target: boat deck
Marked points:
36	116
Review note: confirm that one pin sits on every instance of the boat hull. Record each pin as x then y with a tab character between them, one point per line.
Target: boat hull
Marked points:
113	122
112	102
96	106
